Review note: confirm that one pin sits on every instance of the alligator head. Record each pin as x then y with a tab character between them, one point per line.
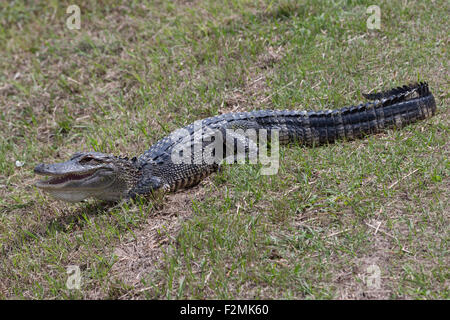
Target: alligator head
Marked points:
90	174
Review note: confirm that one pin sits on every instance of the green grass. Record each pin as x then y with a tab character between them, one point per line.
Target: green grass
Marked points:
137	70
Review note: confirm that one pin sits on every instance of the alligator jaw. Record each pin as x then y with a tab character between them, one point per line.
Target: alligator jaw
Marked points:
58	181
62	174
65	186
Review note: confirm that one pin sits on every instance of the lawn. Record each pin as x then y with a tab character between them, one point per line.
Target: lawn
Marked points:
364	219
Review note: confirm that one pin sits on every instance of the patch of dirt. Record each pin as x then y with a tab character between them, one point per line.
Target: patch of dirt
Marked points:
139	253
370	270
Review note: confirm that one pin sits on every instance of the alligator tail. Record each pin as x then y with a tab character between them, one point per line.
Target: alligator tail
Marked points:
397	107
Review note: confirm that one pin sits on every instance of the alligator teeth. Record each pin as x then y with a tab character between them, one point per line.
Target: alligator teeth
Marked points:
67	177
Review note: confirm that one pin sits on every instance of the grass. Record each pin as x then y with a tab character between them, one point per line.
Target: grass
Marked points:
138	70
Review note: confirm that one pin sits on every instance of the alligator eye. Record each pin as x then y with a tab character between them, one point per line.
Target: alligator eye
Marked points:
89	160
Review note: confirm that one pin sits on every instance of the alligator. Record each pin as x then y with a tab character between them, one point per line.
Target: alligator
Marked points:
112	178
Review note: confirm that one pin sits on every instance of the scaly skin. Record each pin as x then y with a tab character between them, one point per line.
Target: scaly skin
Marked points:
111	178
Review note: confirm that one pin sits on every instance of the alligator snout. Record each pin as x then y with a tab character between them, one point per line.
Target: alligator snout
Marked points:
55	168
42	169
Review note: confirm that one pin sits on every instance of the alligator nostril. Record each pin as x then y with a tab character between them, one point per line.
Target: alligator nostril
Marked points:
40	168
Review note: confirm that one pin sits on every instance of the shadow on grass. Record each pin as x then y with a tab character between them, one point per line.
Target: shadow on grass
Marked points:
74	219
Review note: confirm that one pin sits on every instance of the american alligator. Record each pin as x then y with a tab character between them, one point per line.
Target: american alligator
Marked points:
109	177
